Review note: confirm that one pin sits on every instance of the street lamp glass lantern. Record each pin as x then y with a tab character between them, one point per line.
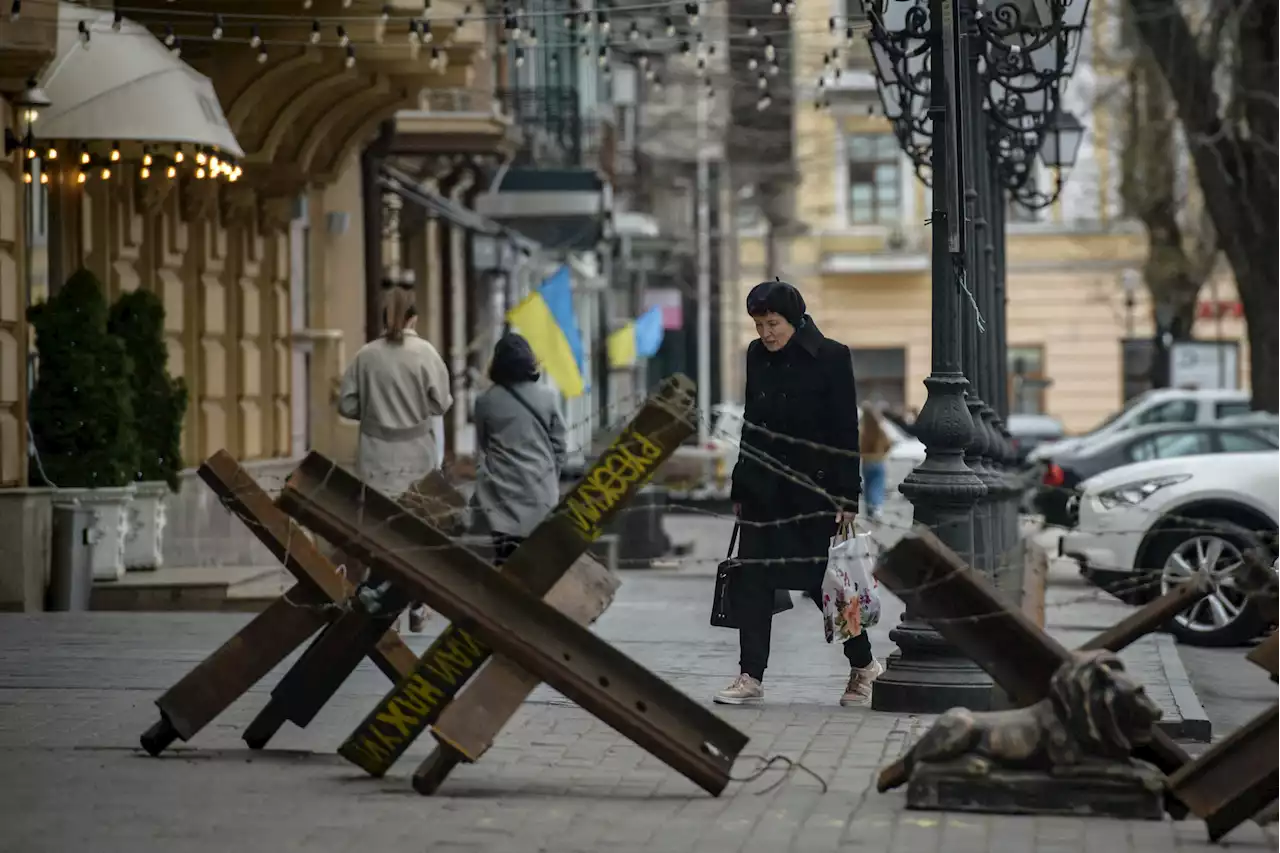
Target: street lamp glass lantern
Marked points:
1062	143
30	101
894	14
884	61
1074	13
1045	57
890	99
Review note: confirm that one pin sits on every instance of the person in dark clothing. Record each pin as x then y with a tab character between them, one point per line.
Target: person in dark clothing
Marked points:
797	477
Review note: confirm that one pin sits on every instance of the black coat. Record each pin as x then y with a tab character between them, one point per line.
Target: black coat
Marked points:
804	391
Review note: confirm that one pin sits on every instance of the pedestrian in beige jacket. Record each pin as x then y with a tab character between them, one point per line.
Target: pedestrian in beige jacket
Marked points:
394	386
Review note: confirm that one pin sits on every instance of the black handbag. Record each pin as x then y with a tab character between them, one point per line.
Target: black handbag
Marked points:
721	604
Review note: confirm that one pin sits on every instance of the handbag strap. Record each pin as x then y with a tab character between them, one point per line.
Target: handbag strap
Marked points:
733	540
546	430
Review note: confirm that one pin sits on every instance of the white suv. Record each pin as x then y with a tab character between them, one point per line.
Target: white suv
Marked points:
1158	406
1146	527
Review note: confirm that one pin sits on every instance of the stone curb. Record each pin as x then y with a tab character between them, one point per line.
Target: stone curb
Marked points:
1195	724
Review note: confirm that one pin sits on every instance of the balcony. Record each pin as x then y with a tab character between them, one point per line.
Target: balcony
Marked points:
452	121
556	190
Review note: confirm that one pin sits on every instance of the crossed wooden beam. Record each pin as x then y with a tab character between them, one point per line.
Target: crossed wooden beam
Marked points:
505	638
1226	785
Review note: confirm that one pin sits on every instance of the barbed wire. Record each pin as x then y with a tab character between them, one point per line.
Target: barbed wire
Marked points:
1144	580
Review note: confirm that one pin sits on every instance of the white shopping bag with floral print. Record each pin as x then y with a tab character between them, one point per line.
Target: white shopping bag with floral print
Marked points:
850	594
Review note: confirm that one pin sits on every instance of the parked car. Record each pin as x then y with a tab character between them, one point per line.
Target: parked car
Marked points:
1031	431
1158	406
1063	474
1146	527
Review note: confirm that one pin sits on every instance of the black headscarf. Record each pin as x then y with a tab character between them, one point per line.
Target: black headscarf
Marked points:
513	361
777	297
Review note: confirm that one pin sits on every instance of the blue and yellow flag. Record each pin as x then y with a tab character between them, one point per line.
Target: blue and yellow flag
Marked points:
641	338
546	320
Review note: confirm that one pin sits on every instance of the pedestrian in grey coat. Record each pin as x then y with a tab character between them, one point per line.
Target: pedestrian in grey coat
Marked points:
394	386
521	439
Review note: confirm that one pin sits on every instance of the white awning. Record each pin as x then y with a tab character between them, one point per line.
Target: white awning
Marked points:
126	85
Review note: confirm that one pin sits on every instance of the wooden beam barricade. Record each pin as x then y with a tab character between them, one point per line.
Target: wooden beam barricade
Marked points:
557	545
965	609
507	618
273	634
1234	779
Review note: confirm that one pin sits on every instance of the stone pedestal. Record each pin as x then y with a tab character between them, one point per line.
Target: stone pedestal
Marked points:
1132	791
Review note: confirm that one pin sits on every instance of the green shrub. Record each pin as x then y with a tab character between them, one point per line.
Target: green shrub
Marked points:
81	409
159	400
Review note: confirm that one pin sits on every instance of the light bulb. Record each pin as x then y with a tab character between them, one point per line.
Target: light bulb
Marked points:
84	156
255	40
144	173
178	156
106	174
199	173
200	158
51	154
31	153
262	55
44	177
81	177
146	159
350	60
26	177
170	172
315	32
115	155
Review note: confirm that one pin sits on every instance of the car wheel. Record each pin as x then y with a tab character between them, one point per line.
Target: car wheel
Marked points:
1224	617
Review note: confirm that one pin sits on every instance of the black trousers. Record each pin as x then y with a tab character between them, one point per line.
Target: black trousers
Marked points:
504	545
796	555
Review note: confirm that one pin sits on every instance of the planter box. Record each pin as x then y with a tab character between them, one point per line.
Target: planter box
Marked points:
26	524
144	542
110	526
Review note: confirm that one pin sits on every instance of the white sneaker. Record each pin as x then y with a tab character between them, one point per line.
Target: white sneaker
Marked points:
745	690
858	692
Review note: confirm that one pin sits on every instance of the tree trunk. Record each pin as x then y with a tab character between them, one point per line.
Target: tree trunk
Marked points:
1235	159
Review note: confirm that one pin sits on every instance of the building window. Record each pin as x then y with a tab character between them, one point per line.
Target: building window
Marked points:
880	376
1027	382
875	179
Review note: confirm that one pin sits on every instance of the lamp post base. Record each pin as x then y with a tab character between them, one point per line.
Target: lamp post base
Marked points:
928	676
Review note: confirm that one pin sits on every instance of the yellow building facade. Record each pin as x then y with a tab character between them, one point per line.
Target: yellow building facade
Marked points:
225	257
859	250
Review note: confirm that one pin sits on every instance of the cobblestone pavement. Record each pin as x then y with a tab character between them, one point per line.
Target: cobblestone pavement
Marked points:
77	690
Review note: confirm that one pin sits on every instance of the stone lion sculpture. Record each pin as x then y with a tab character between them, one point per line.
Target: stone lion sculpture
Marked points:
1093	717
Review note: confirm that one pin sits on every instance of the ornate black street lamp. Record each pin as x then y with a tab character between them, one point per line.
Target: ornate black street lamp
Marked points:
1007	82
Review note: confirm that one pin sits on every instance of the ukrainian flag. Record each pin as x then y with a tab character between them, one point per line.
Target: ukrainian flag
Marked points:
546	320
640	338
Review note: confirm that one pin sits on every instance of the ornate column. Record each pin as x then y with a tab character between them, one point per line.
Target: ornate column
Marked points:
458	339
112	229
431	291
210	341
13	318
275	215
244	334
164	259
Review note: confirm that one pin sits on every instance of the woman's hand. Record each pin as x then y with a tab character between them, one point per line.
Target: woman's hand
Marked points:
737	510
845	516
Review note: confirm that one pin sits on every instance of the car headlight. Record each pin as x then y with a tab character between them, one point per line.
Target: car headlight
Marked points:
1132	494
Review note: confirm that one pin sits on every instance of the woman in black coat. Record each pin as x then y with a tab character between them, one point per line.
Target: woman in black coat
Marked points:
797	477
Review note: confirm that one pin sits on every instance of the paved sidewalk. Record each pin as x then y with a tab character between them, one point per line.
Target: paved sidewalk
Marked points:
77	690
